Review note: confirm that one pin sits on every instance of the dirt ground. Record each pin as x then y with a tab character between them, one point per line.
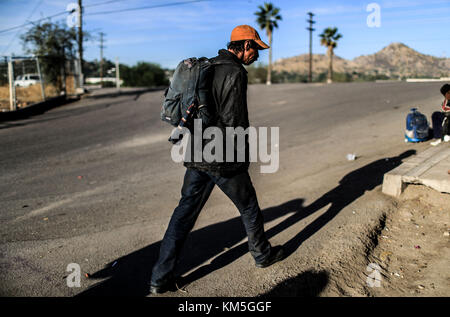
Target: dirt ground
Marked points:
403	253
413	249
27	96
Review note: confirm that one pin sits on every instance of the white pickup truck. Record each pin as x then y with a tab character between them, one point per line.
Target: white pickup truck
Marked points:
27	80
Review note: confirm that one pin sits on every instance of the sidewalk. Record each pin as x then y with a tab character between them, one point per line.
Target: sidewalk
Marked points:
430	168
113	92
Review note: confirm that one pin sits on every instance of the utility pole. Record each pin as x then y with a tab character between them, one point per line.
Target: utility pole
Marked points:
101	57
12	86
117	74
41	79
310	29
80	42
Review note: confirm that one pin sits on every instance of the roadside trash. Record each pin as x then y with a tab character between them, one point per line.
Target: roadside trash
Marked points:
115	262
385	255
80	177
396	274
446	234
87	275
45	219
181	289
417	246
421	286
351	157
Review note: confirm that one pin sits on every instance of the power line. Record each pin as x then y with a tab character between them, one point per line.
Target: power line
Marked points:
102	3
33	22
147	7
17	33
103	12
52	16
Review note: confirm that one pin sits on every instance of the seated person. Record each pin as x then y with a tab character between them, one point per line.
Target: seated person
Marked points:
445	90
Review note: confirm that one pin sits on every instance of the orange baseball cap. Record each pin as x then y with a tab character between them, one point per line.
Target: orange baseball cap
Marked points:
246	32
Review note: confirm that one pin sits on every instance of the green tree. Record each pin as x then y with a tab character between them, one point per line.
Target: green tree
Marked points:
54	43
92	69
267	18
143	74
329	39
257	74
3	73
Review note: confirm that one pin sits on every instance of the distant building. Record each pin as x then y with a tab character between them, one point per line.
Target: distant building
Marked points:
97	80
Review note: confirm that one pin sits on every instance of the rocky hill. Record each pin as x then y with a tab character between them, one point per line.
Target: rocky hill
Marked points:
395	60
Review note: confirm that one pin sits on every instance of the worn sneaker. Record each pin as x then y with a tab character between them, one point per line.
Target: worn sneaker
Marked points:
276	254
434	143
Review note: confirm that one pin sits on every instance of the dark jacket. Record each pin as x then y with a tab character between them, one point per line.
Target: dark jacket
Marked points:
228	108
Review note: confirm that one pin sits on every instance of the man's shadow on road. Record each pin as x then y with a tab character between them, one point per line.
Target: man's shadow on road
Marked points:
129	275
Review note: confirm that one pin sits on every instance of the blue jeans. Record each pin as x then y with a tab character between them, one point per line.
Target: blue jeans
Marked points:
196	189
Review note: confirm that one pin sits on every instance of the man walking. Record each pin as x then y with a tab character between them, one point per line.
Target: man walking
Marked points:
229	105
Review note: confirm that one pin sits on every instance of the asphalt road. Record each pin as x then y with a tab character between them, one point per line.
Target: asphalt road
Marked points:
93	183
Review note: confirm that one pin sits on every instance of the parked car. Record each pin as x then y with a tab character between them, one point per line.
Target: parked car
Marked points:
27	80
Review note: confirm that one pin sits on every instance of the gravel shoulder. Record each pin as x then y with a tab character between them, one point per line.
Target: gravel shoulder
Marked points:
414	246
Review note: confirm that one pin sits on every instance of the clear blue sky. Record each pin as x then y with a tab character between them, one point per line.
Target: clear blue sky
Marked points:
166	35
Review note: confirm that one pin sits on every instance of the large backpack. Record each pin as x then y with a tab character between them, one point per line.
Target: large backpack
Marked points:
417	128
188	91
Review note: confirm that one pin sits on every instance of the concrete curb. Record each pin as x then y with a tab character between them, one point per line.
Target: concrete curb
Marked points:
41	107
112	92
429	168
36	108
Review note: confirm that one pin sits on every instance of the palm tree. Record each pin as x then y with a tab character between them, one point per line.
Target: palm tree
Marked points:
267	18
329	38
